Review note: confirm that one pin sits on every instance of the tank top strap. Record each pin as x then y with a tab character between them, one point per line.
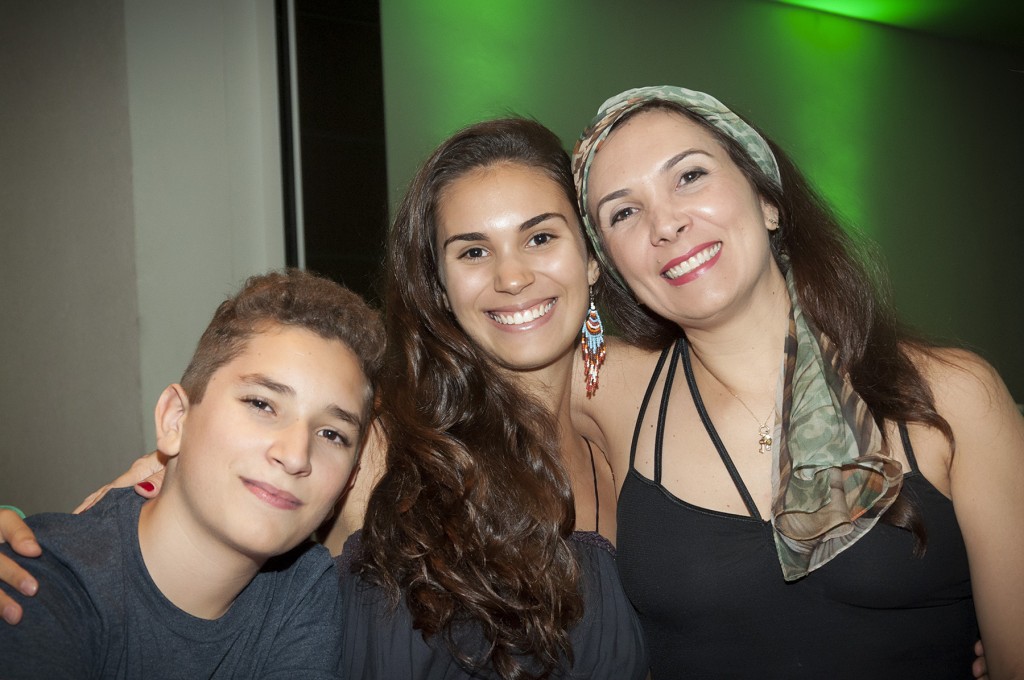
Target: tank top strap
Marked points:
643	406
907	448
680	352
597	494
666	393
702	411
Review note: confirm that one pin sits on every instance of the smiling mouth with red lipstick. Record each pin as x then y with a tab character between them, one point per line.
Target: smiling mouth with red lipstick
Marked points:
272	496
693	264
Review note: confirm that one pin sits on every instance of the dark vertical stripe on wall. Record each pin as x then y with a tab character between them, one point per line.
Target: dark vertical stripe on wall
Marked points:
339	129
284	98
338	68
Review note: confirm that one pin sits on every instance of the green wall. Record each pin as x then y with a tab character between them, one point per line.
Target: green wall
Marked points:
916	139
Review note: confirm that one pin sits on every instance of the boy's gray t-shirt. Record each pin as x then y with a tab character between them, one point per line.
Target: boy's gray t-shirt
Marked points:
99	615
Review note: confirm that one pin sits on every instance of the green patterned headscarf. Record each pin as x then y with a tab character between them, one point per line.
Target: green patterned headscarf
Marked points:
699	103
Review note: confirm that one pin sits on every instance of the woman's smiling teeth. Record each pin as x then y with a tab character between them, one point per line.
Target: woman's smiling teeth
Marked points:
525	316
687	266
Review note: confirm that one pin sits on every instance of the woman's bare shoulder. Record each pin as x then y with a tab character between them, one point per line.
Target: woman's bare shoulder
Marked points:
622	354
622	382
986	473
624	367
961	381
969	393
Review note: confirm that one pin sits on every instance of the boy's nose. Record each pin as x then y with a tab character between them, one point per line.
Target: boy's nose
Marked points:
291	449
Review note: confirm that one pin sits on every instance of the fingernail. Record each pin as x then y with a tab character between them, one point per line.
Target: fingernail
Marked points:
146	486
28	587
10	614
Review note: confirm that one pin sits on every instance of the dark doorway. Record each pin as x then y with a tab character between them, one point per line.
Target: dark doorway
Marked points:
336	203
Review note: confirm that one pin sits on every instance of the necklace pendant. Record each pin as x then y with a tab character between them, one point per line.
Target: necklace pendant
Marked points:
765	442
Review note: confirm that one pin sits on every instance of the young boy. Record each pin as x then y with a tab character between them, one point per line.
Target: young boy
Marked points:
206	580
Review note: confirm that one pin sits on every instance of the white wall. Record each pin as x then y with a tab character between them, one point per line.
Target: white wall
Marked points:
202	91
139	185
69	368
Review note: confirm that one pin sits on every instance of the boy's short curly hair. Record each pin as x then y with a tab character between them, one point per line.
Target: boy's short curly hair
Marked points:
295	298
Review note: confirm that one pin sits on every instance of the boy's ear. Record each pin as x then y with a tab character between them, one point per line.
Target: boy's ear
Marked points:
170	413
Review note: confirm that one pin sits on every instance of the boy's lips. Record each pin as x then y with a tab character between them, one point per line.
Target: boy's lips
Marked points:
270	494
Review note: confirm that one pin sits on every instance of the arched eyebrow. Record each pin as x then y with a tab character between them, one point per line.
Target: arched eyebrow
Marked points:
480	236
665	167
671	162
543	217
618	193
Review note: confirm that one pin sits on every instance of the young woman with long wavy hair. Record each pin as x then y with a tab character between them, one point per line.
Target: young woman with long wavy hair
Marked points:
474	529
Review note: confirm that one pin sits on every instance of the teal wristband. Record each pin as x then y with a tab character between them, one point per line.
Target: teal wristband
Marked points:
13	509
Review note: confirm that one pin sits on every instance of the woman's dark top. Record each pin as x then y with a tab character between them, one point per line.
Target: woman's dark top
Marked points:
379	642
710	594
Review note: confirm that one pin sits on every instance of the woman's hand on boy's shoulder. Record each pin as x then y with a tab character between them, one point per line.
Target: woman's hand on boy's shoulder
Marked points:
14	531
146	474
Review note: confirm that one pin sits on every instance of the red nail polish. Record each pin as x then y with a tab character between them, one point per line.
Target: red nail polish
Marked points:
146	486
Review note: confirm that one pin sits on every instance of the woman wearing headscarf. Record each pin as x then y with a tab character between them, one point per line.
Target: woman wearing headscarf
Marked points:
806	490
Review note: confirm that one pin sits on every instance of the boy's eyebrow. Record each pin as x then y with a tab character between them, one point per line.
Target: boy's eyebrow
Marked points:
280	388
342	414
264	381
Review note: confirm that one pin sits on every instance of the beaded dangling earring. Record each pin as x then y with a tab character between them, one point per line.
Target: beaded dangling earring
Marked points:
592	344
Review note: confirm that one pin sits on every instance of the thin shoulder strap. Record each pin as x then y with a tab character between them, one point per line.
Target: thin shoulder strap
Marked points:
643	406
702	411
597	495
666	393
907	448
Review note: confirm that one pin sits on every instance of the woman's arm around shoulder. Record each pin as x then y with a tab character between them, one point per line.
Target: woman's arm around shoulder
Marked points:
14	531
352	504
146	474
986	478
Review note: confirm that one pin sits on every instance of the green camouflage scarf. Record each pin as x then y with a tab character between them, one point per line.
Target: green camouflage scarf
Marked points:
833	478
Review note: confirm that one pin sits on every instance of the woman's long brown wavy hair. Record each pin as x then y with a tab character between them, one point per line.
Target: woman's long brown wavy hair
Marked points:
840	284
471	519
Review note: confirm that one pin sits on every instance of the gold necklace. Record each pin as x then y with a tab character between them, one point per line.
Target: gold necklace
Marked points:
764	433
764	441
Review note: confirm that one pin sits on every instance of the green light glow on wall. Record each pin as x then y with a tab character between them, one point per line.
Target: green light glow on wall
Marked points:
501	51
895	12
837	64
464	60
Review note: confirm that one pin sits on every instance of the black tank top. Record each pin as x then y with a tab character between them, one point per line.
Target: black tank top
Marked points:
712	601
